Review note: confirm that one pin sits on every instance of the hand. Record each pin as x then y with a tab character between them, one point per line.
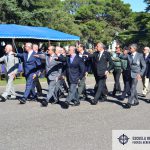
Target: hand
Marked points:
12	74
138	77
86	55
36	55
13	53
106	73
39	74
34	76
86	74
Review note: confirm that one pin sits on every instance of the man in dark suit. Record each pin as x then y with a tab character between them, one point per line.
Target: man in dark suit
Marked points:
36	80
138	67
31	65
75	72
145	79
82	86
102	58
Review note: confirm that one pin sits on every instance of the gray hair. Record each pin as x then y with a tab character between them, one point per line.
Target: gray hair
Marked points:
29	45
147	48
102	44
135	46
53	48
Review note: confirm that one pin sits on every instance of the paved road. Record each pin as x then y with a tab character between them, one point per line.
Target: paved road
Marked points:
31	127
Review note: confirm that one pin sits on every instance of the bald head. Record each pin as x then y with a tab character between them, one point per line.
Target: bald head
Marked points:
58	50
146	50
35	48
8	48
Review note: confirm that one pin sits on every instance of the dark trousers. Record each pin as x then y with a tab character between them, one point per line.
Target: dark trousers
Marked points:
29	87
38	86
73	93
82	87
117	74
101	85
133	98
127	83
104	92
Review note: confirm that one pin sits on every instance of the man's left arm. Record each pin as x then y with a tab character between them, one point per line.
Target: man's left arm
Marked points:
143	65
111	64
82	69
38	65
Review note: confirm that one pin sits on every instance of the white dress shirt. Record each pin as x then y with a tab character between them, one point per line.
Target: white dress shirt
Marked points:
101	53
29	54
133	54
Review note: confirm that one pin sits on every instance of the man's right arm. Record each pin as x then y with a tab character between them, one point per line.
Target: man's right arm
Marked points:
2	59
19	55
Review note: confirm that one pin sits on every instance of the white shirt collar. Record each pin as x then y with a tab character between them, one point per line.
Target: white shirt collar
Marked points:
134	54
29	54
10	53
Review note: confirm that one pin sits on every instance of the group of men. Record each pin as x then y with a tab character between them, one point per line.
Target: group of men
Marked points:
73	68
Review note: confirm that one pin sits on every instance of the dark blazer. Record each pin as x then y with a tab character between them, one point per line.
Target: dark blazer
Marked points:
146	73
86	61
75	71
32	65
101	66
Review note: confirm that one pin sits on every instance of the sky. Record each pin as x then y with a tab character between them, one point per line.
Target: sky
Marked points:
136	5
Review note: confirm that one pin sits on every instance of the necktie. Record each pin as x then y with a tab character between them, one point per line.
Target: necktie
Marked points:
99	56
7	58
132	56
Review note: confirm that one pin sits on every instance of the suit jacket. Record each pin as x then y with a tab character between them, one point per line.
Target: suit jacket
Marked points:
137	65
11	63
31	66
53	67
147	65
86	61
148	72
75	70
101	65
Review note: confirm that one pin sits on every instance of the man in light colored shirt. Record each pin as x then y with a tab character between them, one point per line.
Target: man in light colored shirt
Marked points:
11	64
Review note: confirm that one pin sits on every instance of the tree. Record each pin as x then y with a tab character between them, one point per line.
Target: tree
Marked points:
148	5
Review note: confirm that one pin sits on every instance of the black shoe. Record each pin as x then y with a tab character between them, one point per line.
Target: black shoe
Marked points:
135	104
113	93
23	100
66	105
44	103
76	103
103	99
62	95
55	101
39	94
121	98
35	98
127	106
3	99
94	102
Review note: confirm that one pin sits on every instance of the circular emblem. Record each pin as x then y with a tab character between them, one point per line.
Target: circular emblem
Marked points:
123	139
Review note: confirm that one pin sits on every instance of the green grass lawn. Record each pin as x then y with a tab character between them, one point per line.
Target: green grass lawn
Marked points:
19	80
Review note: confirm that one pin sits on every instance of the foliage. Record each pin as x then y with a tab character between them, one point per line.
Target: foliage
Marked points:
93	20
